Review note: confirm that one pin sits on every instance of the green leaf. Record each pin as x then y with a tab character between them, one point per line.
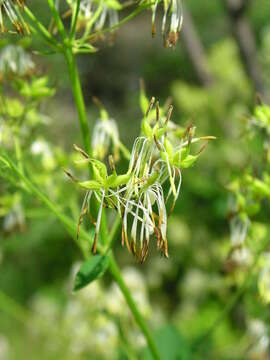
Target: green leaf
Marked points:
91	270
171	345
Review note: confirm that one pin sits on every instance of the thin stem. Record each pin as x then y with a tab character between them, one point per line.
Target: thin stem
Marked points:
57	19
18	152
74	20
114	269
43	32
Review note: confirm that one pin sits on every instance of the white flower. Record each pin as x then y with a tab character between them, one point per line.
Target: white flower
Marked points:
94	13
14	219
14	60
41	148
105	134
173	10
260	339
238	230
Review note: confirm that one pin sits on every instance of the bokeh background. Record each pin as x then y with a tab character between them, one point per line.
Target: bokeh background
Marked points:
213	76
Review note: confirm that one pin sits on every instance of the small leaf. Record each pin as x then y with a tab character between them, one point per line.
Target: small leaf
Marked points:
91	270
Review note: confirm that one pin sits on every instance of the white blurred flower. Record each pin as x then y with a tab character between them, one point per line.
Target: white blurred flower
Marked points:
14	219
241	256
14	60
105	134
97	14
115	302
260	340
238	230
45	307
4	348
41	148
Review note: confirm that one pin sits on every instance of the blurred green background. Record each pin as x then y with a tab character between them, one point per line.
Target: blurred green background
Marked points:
40	317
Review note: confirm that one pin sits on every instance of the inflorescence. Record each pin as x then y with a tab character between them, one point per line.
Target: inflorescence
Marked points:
145	195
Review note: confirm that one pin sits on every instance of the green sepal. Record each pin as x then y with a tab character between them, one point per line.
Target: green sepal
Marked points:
90	185
114	180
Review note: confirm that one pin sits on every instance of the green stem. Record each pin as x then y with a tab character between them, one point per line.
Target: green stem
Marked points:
78	97
114	269
18	152
80	105
74	20
42	31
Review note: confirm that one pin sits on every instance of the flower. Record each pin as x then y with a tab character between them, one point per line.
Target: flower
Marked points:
238	229
12	9
173	10
14	60
96	13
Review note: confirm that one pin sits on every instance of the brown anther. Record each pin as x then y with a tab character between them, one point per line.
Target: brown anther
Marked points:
157	112
153	30
70	175
111	163
97	102
94	247
133	247
144	251
202	148
152	101
169	114
172	38
157	143
82	215
81	151
165	249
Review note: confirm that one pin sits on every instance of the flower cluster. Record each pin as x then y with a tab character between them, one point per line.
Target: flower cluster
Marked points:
141	195
172	20
12	9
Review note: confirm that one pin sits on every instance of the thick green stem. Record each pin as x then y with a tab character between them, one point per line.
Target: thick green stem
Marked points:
78	97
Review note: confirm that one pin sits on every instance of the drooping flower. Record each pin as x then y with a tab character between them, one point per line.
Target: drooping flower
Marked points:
12	9
172	20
